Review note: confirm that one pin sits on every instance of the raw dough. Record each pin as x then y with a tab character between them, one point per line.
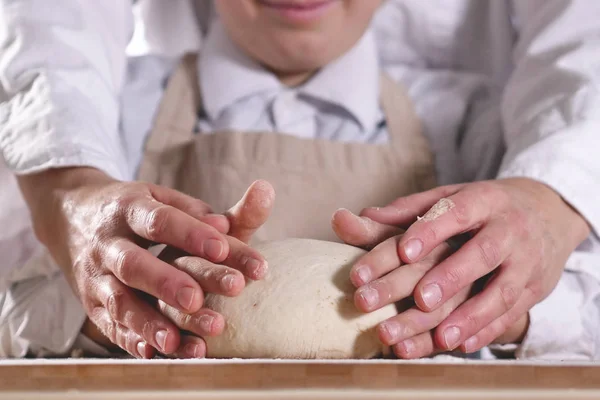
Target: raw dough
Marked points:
303	309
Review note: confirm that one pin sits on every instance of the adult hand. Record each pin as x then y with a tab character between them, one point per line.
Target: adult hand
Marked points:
382	278
522	233
98	230
245	218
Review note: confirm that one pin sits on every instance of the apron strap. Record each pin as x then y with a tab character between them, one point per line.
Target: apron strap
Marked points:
176	118
405	131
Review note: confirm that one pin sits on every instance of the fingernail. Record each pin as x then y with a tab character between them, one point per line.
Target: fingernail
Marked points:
206	322
161	339
413	249
141	348
255	267
370	297
391	331
432	295
471	344
364	274
408	346
191	350
451	337
227	282
185	297
213	248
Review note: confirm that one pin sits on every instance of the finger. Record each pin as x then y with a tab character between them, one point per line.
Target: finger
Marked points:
161	223
494	330
125	308
245	259
498	298
217	221
361	231
139	269
466	210
397	284
252	211
202	323
416	347
478	257
125	338
414	322
192	206
376	263
191	347
213	278
405	210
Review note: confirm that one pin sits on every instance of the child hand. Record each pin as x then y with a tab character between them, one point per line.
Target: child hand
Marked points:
382	278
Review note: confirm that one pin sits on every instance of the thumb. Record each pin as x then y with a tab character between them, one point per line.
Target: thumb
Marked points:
361	231
252	211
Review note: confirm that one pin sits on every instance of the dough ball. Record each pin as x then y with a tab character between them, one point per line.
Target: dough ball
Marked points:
303	309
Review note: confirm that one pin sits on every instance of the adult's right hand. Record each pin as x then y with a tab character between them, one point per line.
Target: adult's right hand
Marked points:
98	230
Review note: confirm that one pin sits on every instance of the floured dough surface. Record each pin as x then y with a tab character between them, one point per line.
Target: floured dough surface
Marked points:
302	309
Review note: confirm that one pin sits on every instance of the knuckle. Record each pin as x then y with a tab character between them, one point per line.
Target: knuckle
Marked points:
192	239
126	264
537	291
156	223
454	276
115	305
123	202
473	322
462	214
509	296
489	190
110	331
162	285
147	330
489	253
430	232
185	321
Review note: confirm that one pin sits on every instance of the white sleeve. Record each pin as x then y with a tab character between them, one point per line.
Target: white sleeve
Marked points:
39	314
62	65
551	103
566	325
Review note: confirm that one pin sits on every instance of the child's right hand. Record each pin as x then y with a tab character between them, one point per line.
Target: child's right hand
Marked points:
98	230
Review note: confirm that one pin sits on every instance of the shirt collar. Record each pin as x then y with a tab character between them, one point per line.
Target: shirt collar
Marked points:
351	82
228	75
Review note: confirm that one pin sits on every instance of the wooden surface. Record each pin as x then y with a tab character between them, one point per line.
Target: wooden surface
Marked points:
296	380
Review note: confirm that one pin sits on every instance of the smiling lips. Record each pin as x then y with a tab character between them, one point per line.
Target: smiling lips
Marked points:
298	11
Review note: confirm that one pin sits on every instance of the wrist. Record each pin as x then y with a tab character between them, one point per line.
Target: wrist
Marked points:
49	195
560	210
46	192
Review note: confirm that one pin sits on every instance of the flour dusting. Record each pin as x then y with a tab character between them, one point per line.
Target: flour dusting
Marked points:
440	208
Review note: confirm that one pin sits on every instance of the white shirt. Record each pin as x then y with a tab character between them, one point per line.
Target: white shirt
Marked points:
468	81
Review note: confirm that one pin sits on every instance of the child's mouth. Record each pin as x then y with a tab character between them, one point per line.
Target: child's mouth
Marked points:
299	11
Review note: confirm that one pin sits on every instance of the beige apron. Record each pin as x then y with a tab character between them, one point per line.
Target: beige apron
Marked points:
312	178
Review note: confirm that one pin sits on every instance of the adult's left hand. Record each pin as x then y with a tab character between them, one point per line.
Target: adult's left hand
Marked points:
521	233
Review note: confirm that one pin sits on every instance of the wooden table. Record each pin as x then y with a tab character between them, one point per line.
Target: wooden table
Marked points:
262	379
